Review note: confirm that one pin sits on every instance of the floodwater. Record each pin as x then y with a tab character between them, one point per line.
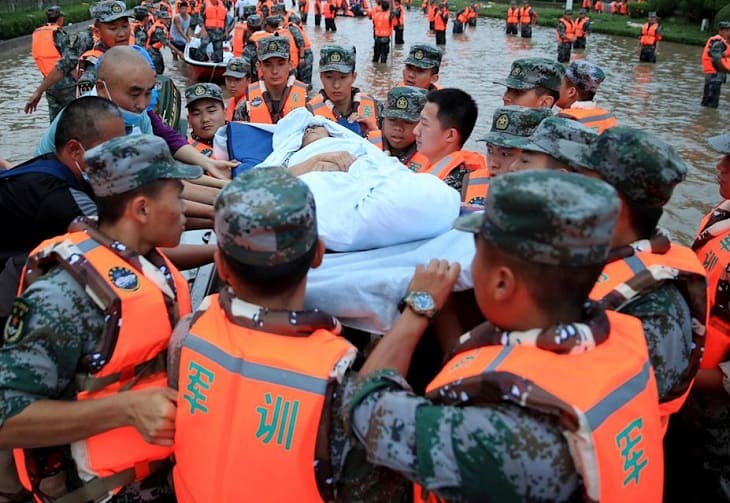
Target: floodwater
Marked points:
663	98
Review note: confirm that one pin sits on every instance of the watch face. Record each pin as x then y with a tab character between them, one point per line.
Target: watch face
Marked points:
423	302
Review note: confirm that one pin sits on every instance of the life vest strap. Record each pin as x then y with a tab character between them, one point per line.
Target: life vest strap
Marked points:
85	382
102	486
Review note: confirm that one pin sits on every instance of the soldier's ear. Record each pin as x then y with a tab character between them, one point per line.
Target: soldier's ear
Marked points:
319	254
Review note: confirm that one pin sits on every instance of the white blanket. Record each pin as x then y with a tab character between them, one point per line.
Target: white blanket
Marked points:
363	288
378	202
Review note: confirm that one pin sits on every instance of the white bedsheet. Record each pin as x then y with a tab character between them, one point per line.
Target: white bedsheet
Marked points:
378	202
363	288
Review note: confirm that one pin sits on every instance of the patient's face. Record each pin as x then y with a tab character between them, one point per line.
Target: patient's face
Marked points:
313	133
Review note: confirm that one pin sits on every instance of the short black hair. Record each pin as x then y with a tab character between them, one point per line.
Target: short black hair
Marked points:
111	208
542	91
268	280
80	120
558	289
457	109
385	6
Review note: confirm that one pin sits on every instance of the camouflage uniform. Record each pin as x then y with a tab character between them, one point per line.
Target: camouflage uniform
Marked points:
216	37
585	75
62	92
54	322
84	41
254	23
528	73
238	68
306	62
141	15
495	451
552	134
159	36
644	170
714	81
580	42
648	52
266	217
404	103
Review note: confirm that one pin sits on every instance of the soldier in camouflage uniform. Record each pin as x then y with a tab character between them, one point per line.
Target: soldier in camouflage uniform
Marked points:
206	114
715	65
159	37
306	61
422	66
59	84
533	82
55	325
486	442
644	171
400	116
266	229
511	125
698	440
543	148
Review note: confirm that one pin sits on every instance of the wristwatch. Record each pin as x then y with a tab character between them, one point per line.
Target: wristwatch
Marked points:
421	303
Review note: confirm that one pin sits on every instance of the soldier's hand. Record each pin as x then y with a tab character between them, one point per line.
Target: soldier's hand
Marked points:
153	414
366	123
32	103
218	168
437	278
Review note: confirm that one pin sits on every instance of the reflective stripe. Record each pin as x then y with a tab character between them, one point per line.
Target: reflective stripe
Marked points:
618	398
479	181
595	118
635	264
254	370
87	245
316	106
436	168
503	353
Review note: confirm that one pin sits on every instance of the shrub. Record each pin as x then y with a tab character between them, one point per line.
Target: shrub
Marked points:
640	10
722	15
666	8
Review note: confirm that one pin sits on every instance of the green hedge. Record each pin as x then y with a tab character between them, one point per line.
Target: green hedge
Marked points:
673	30
17	24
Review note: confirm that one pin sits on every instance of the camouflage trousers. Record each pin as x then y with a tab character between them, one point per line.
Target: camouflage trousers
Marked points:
648	54
59	97
157	60
457	27
564	49
713	86
304	71
216	39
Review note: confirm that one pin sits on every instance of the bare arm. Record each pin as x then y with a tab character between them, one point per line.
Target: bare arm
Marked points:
218	169
52	78
54	422
199	193
329	161
190	256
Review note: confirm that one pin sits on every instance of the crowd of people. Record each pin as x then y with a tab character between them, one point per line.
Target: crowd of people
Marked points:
587	358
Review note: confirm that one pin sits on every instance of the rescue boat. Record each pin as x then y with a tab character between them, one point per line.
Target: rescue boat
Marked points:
204	71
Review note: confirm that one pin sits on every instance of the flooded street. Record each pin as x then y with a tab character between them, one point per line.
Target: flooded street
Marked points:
662	98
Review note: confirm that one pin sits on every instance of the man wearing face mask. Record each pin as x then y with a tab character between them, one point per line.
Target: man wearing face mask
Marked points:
40	198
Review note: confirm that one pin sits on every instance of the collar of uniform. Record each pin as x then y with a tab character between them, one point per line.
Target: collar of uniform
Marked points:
584	104
276	322
717	225
571	338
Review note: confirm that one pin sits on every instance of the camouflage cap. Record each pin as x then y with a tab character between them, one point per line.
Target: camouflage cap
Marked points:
720	143
547	217
405	102
238	68
254	21
273	47
528	73
642	168
552	133
424	56
585	75
203	91
265	217
163	14
511	125
274	20
335	58
108	11
54	12
129	162
141	12
723	25
294	18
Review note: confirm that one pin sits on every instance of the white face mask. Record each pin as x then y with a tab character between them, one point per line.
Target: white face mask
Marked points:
131	120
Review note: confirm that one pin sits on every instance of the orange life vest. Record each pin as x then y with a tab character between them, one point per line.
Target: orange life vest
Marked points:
623	9
513	15
471	13
579	25
707	66
477	186
155	26
587	4
304	6
257	36
464	16
366	106
329	11
417	163
715	257
293	48
89	58
597	119
431	16
693	286
215	15
525	15
610	420
132	305
307	40
294	96
599	7
649	36
203	148
239	39
277	388
43	48
381	24
439	23
569	30
471	160
231	108
398	21
614	7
